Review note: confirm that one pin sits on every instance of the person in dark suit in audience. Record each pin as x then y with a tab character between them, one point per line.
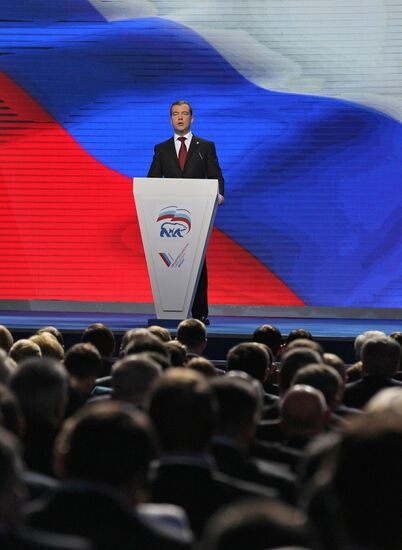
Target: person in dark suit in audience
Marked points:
183	409
41	386
239	410
257	524
13	535
380	359
192	334
102	455
100	336
188	156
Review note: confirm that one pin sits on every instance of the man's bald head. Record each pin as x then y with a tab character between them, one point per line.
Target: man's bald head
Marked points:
304	411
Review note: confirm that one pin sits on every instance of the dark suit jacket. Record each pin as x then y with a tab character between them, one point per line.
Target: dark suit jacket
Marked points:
200	490
358	393
201	162
105	519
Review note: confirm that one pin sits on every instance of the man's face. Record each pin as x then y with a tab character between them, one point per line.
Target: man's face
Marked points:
181	119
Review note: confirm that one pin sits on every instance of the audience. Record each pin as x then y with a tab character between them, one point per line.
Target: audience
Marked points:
217	447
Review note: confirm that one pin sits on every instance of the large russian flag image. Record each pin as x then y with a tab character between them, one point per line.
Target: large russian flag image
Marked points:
312	212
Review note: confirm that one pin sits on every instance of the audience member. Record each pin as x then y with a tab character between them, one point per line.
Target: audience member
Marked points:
240	403
298	333
84	364
177	353
160	332
192	334
49	346
128	335
102	455
6	339
55	332
145	342
24	348
132	379
203	365
270	336
100	336
256	524
183	410
380	359
40	385
7	367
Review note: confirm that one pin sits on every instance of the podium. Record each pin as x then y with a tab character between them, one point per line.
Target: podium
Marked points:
176	217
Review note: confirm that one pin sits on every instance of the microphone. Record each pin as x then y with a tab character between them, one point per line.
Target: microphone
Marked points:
203	163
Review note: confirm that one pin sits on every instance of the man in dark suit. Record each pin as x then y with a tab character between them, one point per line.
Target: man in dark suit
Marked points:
188	156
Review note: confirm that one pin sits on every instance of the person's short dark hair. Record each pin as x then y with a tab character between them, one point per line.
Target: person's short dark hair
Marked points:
49	345
250	357
305	343
298	333
10	411
24	348
203	366
182	409
106	442
177	353
381	356
83	360
239	403
40	384
181	102
100	336
145	343
256	524
270	336
133	376
52	330
7	367
294	360
324	378
191	333
6	338
160	332
368	480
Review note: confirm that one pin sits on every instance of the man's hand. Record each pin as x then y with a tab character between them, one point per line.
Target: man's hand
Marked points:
221	199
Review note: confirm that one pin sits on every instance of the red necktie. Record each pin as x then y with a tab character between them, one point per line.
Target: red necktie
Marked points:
182	153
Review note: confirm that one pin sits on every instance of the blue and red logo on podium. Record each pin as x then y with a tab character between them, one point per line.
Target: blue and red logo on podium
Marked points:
176	222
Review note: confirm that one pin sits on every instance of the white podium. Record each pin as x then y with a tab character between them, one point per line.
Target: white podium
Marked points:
176	217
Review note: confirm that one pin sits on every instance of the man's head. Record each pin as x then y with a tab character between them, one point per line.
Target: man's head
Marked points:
182	409
192	333
40	385
84	364
181	117
304	411
293	361
252	358
6	338
323	378
49	345
100	336
106	443
381	356
361	339
132	378
240	402
270	336
24	348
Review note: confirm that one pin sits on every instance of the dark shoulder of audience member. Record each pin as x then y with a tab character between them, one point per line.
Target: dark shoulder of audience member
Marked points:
6	339
256	524
367	480
270	336
40	385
